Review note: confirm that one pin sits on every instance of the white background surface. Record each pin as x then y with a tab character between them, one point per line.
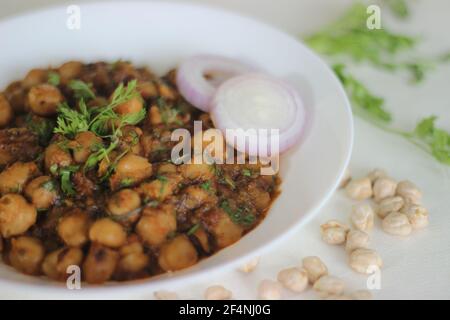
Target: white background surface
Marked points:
414	268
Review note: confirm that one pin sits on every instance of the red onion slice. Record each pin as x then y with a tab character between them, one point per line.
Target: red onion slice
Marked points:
199	77
258	101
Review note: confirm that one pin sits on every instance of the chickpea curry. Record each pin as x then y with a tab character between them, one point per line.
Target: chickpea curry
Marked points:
86	177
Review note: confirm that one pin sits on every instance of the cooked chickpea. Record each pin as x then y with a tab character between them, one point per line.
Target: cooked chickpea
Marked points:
194	197
132	263
178	253
362	217
203	239
131	168
35	77
124	205
42	192
84	144
73	228
156	224
294	279
397	224
159	189
154	116
44	99
383	188
6	112
334	232
315	268
218	293
100	264
365	261
225	231
409	192
166	91
359	189
14	178
147	89
388	205
269	290
26	254
167	168
70	70
56	263
329	286
16	215
108	233
130	140
197	171
55	155
134	105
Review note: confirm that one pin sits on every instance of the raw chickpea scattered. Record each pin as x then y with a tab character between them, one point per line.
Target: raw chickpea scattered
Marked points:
365	261
16	215
294	279
218	293
44	99
397	224
269	290
315	268
108	233
384	188
409	192
388	205
362	217
361	295
334	232
329	286
42	192
345	179
417	215
26	254
250	265
360	189
356	239
165	295
6	112
73	228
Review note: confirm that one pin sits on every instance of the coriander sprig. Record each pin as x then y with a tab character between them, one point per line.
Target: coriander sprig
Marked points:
82	90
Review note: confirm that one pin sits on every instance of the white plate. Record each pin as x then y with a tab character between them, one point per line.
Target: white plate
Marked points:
159	35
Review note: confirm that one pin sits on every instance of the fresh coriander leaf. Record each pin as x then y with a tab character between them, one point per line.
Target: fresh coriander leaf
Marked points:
53	78
206	185
193	229
239	216
66	184
70	121
82	90
126	182
54	169
48	185
247	172
42	127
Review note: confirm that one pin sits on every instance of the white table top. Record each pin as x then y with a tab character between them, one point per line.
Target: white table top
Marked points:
414	268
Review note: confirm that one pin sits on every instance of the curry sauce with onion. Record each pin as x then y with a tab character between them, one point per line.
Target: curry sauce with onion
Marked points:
86	177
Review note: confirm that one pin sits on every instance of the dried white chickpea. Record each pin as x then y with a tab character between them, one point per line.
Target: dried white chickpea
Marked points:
165	295
269	290
384	188
362	216
417	215
356	239
294	279
376	173
359	189
361	295
365	260
250	265
315	268
397	224
329	286
339	297
218	293
409	192
334	232
345	178
388	205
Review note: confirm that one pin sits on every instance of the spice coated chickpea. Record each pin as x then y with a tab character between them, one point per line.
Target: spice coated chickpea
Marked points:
35	77
73	228
133	261
70	70
14	178
197	171
83	145
133	105
131	168
156	223
100	264
16	215
225	231
26	254
123	202
56	263
42	192
55	155
44	99
178	253
6	112
108	233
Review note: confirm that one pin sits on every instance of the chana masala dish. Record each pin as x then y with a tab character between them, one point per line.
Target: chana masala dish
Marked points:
86	177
